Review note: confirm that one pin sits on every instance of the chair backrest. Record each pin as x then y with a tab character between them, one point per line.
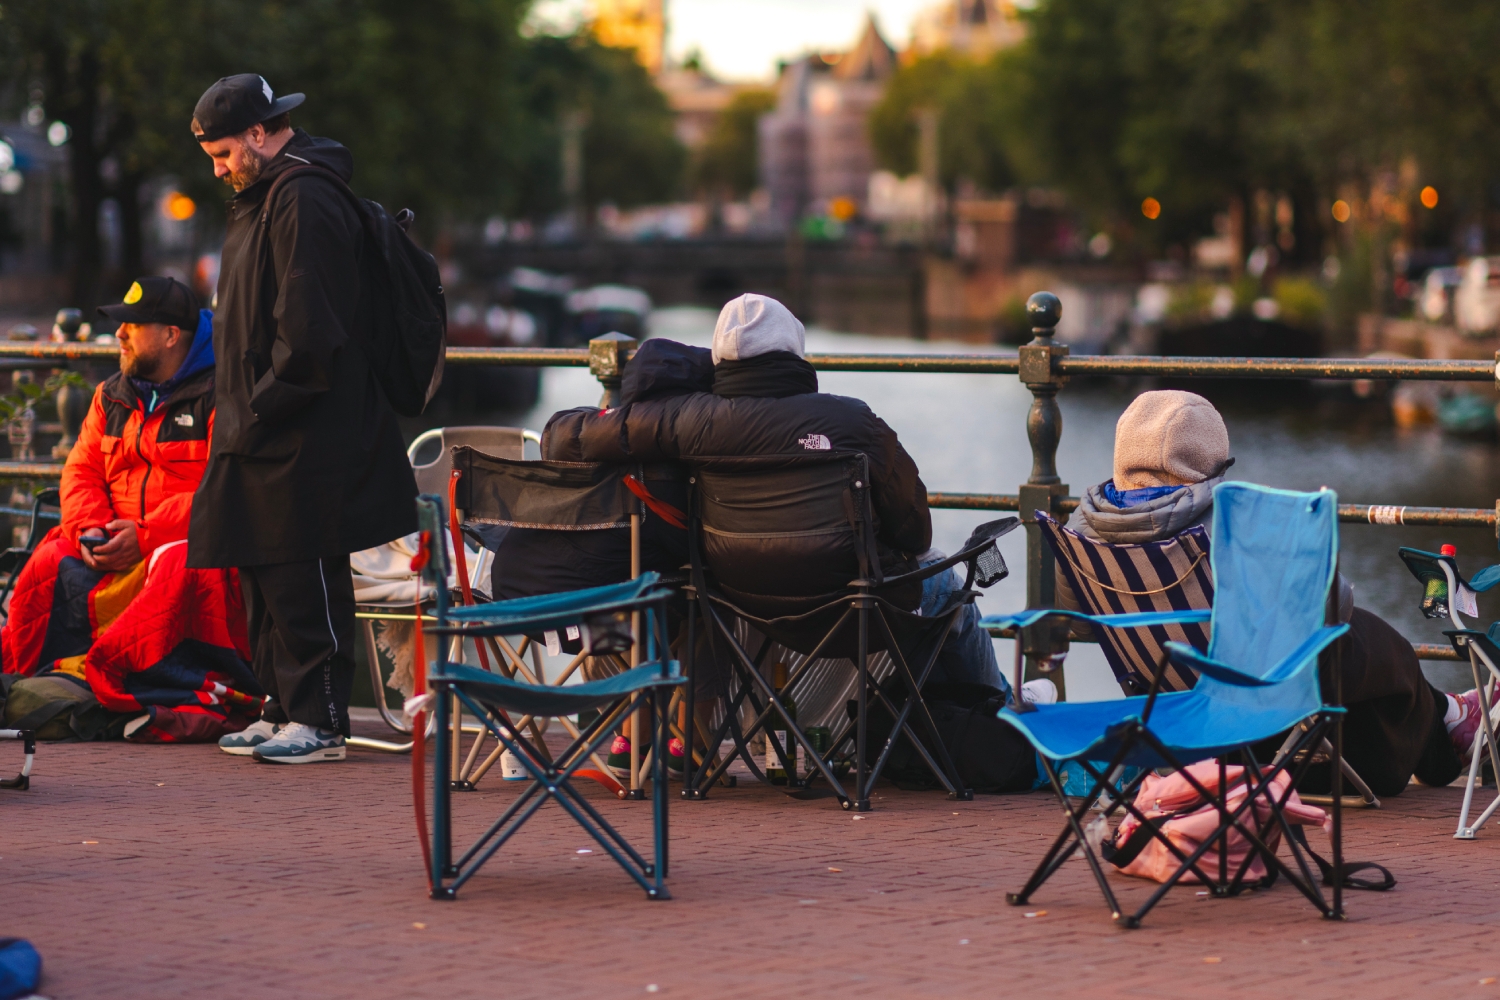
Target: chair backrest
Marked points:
1173	574
553	526
432	476
784	526
1274	557
560	496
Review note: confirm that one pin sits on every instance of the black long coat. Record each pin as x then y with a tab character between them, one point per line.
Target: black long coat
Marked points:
307	459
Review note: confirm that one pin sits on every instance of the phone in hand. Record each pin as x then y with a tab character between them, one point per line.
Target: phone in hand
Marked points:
92	543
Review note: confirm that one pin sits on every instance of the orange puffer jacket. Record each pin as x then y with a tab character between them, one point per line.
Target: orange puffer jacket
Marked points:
134	466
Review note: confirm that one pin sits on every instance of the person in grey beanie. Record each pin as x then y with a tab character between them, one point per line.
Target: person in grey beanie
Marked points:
1171	450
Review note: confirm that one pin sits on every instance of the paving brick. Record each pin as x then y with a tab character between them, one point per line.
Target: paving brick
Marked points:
215	876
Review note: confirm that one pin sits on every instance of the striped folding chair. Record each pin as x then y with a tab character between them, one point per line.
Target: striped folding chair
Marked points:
1174	574
1170	575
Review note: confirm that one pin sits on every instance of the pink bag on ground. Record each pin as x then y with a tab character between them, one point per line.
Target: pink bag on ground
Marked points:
1187	820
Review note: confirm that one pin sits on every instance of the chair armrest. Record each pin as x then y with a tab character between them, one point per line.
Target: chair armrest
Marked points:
1134	619
1298	660
982	539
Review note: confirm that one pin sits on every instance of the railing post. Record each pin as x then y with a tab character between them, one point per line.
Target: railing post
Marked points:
1039	371
607	357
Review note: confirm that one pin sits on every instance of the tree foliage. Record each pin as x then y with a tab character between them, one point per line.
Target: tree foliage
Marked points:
729	160
448	108
1200	103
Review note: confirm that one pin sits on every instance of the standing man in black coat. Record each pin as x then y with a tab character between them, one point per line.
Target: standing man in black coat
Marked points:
307	463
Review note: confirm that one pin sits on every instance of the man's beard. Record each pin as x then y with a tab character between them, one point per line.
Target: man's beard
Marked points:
254	164
138	366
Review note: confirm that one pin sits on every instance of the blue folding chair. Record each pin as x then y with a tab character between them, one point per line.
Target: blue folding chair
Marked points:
604	618
1454	596
1274	557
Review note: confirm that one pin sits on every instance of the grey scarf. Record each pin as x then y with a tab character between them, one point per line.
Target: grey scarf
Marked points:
1151	521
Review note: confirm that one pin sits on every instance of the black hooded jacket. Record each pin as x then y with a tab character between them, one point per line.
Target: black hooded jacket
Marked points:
307	459
736	419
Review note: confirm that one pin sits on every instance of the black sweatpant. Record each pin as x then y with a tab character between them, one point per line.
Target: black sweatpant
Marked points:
302	639
1393	728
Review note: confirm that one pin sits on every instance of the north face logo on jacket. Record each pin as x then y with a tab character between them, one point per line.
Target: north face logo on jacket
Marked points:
816	442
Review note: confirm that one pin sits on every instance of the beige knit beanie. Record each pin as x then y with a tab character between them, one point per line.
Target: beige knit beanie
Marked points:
1168	438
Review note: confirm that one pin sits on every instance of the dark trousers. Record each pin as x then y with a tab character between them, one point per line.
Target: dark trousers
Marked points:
302	639
1393	728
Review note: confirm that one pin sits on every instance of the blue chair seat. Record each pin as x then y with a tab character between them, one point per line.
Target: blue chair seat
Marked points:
545	700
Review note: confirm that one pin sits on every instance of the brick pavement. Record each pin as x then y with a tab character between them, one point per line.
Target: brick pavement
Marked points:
213	876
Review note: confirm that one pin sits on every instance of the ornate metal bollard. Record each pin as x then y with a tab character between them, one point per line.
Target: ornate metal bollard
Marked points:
607	357
1039	371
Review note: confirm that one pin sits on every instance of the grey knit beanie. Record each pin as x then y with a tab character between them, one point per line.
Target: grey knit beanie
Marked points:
1168	438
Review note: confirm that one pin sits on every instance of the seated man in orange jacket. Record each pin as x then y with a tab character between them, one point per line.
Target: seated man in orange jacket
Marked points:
107	598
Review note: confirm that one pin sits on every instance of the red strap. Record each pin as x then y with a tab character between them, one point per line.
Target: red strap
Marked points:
660	508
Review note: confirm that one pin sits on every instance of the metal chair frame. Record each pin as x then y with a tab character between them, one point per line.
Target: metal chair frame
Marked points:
646	690
865	603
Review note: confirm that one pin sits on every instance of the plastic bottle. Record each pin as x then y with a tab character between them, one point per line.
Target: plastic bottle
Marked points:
1435	596
779	730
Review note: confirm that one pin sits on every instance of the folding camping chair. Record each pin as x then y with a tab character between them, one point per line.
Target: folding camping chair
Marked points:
1169	575
489	493
431	471
604	616
46	506
787	544
1476	647
1274	558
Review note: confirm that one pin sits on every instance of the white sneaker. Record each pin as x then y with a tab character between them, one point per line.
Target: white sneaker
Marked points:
301	744
244	742
1039	692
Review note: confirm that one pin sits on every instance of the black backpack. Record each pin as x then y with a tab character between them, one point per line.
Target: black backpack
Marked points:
991	756
408	316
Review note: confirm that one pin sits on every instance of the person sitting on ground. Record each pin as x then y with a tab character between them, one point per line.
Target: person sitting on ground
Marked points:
761	398
1171	450
106	597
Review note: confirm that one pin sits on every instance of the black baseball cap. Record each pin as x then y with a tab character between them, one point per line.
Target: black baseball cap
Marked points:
236	103
156	300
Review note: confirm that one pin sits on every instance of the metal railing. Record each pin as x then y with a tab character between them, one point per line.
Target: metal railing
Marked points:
1042	365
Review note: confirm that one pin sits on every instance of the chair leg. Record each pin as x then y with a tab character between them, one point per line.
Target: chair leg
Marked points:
1484	740
862	668
661	706
442	833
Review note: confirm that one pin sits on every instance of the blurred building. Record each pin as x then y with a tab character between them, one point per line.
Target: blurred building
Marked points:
33	218
975	28
633	24
697	99
815	146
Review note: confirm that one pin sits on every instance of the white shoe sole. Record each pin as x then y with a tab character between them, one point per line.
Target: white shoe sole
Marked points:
239	751
316	757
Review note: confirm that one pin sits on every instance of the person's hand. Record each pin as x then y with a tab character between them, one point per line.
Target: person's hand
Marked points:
84	551
121	552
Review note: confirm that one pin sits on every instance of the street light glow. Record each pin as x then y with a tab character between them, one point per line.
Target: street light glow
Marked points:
1341	211
178	206
1429	197
1151	208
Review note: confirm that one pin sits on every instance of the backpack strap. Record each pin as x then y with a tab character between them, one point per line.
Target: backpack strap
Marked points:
1387	880
309	168
1123	854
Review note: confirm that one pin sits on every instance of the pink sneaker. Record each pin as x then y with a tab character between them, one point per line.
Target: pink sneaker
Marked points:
1463	731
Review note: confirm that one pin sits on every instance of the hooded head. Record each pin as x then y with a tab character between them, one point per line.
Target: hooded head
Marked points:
1169	438
752	325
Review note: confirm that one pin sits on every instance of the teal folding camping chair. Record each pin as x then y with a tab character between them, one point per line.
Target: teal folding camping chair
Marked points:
1447	594
604	617
1274	557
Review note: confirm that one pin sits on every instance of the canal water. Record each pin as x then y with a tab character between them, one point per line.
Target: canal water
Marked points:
968	434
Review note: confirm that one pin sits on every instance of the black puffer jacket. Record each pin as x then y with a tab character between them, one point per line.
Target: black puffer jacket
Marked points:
722	422
307	459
